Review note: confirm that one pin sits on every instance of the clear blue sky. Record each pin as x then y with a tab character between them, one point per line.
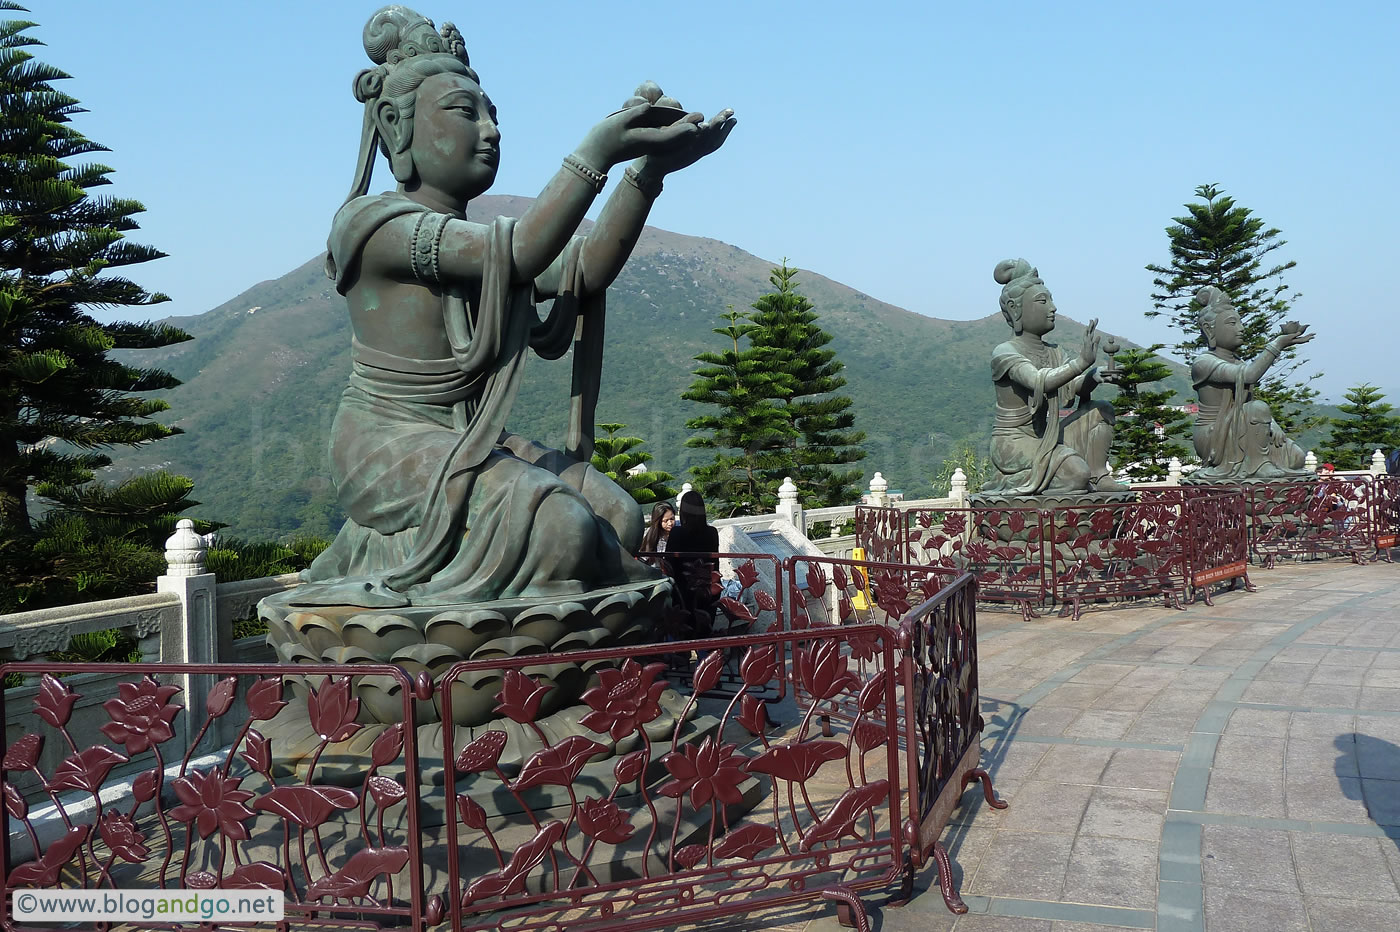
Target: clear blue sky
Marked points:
902	148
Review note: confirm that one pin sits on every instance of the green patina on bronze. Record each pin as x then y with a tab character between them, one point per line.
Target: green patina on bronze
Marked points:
445	507
1035	452
1235	435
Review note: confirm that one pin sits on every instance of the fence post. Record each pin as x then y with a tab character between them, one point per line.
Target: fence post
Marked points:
879	491
197	638
789	508
957	488
1378	463
1310	462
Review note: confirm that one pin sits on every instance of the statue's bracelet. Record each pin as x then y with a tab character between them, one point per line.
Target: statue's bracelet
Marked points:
591	175
649	185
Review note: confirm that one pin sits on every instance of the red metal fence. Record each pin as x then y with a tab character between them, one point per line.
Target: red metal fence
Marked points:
1170	544
655	802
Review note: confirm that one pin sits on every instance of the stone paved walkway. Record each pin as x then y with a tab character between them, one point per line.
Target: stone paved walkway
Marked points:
1234	767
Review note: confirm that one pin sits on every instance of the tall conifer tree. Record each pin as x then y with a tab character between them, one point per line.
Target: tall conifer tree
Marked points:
1369	425
824	438
63	398
1222	244
1148	429
751	429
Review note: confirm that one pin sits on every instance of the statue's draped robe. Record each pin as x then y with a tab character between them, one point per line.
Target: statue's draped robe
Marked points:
1222	431
1029	444
440	500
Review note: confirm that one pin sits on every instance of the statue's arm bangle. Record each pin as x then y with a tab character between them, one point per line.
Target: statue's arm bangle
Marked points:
649	185
427	240
591	175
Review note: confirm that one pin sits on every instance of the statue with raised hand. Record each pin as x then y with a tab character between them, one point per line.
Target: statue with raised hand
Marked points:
1236	435
443	505
1033	450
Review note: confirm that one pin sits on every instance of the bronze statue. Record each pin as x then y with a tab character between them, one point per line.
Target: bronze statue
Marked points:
1236	436
444	506
1033	450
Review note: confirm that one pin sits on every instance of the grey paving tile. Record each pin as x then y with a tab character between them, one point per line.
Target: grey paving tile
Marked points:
1273	693
1276	672
1073	763
1115	812
1343	866
1122	698
1329	675
1015	761
974	923
1244	858
1249	754
1322	754
1023	865
1141	769
1149	678
1102	673
1233	910
1264	723
1112	872
1042	806
1161	727
1329	914
1246	794
1380	698
1385	677
1183	701
1324	797
1326	724
1039	721
1101	723
1340	697
1073	696
1089	927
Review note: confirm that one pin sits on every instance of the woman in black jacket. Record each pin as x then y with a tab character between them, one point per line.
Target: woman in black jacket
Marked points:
691	562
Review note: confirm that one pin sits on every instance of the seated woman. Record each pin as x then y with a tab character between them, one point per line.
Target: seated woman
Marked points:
690	562
443	505
1236	435
663	519
1033	451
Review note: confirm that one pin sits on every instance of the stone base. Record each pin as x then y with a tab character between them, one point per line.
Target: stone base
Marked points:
1050	500
1300	477
432	638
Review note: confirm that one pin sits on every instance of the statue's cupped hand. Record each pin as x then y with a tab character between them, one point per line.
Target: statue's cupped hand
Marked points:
631	133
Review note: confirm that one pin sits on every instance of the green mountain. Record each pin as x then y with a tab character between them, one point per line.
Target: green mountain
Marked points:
263	376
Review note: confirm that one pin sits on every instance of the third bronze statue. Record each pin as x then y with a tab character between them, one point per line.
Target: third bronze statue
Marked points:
460	536
1236	435
1035	451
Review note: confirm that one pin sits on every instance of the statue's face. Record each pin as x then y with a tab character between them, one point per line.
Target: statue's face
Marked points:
456	144
1227	333
1037	310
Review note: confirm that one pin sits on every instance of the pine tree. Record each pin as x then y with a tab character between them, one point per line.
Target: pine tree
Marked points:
822	422
617	458
752	427
63	398
1368	426
1149	429
1219	243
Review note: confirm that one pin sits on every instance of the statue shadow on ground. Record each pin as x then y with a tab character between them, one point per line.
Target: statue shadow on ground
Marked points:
1376	762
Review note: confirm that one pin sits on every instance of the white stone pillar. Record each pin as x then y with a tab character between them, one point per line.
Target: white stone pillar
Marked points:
1310	462
789	508
1174	472
958	487
1378	463
879	491
685	487
197	639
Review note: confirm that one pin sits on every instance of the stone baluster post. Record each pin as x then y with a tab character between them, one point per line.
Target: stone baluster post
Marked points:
879	492
1310	462
1378	463
958	487
1174	472
685	487
197	639
789	508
